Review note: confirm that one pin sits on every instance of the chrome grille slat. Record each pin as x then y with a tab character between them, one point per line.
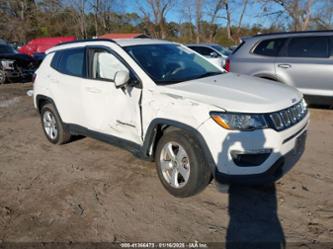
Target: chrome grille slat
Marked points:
288	117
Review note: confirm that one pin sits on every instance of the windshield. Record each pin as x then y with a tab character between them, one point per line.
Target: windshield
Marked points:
171	63
222	50
6	49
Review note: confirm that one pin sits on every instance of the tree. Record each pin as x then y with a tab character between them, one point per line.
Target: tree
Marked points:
298	11
228	9
79	15
324	18
18	19
158	9
214	14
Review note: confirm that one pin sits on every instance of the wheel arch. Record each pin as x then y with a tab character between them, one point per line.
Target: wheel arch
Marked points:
41	100
159	126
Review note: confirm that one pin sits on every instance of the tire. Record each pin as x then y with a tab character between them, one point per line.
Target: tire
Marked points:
192	164
2	77
52	125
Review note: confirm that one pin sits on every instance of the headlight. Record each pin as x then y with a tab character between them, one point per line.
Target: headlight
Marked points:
239	121
7	64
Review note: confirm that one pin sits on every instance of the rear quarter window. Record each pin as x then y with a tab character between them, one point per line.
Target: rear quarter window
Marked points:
70	62
269	47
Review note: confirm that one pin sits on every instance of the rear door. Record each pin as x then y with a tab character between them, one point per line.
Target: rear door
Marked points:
108	109
260	61
65	83
306	63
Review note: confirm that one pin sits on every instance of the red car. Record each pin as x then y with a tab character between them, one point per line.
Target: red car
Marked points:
40	45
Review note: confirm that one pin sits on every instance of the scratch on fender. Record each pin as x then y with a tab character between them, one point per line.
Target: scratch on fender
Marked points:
127	124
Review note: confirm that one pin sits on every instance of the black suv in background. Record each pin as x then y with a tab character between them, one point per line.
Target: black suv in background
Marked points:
15	66
300	59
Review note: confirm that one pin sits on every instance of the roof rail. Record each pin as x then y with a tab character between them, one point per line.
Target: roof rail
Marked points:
294	32
86	40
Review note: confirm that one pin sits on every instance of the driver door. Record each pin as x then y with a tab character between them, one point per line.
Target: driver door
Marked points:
108	109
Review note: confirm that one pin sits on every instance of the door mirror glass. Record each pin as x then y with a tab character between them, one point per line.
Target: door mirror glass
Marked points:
213	55
121	78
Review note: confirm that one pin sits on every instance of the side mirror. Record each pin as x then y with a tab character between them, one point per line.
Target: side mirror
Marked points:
121	78
213	55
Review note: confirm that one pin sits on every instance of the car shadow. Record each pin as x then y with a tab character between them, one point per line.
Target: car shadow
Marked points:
254	221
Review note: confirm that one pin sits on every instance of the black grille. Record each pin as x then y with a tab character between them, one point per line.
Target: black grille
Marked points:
288	117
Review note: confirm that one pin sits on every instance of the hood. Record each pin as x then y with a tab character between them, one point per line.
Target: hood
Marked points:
15	56
238	93
21	60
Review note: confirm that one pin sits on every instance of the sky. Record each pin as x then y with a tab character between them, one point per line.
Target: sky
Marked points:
253	15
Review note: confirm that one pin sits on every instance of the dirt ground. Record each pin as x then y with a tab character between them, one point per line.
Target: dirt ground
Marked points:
91	191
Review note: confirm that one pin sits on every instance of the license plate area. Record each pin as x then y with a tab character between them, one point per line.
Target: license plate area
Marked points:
300	144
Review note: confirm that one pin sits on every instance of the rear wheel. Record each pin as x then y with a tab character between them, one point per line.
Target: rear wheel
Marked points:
181	167
52	126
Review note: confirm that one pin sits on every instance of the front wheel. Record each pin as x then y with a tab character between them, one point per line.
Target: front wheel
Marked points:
180	164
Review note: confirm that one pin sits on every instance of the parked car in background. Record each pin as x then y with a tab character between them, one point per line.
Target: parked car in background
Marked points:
40	45
165	103
300	59
15	66
37	47
213	52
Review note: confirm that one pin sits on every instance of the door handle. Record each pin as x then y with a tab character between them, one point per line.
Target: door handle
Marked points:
93	90
285	66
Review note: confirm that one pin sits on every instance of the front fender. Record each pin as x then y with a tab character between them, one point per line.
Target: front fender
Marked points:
155	127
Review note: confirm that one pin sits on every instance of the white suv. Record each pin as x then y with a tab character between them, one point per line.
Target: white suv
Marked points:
164	102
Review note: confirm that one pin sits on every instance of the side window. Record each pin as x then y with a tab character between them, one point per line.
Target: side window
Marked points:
270	47
203	50
105	65
309	47
70	61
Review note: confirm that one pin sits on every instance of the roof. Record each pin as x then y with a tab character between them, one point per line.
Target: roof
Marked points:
296	32
123	36
133	42
277	35
203	44
120	42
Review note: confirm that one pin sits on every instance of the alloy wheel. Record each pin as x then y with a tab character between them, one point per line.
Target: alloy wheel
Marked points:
50	125
175	165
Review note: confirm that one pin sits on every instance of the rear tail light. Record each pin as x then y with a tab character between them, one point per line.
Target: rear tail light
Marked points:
227	65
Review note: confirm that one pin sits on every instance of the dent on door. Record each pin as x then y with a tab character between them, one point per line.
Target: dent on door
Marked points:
125	118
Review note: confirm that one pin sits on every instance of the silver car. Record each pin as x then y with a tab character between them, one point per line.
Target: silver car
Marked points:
300	59
215	53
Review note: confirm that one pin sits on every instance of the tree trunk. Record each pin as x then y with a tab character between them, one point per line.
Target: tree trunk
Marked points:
198	16
229	31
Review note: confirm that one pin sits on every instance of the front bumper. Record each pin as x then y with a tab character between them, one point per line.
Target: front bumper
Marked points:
275	172
286	147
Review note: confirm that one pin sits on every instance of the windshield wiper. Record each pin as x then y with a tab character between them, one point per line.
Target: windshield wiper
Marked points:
208	74
168	82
